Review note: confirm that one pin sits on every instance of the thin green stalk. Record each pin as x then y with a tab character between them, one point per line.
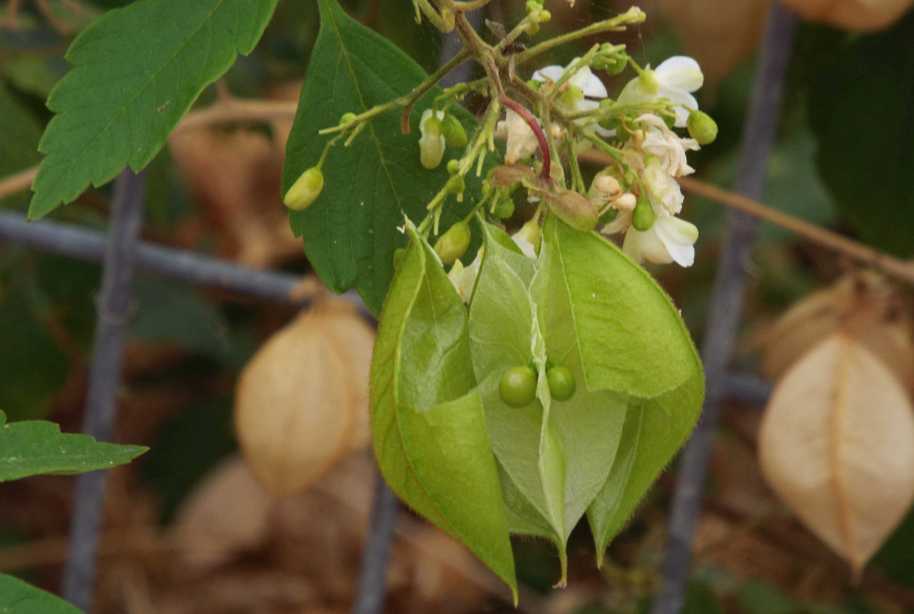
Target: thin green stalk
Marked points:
632	16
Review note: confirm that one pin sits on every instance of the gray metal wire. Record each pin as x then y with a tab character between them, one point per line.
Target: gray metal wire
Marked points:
104	382
726	304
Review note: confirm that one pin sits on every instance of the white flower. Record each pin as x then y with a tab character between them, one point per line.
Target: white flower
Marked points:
432	141
675	79
663	190
521	142
670	239
579	90
528	238
666	145
464	278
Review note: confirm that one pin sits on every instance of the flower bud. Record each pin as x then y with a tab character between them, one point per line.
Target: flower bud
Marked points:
454	133
574	209
347	119
702	127
453	166
504	208
643	216
431	142
610	60
305	190
607	184
626	202
454	243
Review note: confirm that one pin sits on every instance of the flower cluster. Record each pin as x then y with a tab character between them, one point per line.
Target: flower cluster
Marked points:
549	124
639	191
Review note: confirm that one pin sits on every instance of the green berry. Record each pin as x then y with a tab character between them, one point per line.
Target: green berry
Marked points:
454	243
561	383
453	166
518	386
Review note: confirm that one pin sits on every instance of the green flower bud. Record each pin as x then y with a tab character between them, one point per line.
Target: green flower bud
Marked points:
454	243
505	208
610	59
561	383
453	166
432	141
305	190
643	216
702	127
347	119
454	133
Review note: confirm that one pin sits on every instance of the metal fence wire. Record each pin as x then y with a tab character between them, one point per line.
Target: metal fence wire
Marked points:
122	253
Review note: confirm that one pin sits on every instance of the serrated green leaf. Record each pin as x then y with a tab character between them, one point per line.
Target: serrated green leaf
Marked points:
629	334
36	447
372	184
654	431
860	110
428	423
136	71
18	597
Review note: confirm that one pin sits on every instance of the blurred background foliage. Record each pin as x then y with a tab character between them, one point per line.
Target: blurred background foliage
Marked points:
843	159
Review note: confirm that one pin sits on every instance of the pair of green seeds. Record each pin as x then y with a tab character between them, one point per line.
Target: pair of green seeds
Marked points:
518	385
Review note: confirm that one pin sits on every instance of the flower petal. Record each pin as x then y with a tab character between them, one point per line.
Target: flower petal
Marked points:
589	83
680	72
645	246
549	73
635	92
678	237
684	102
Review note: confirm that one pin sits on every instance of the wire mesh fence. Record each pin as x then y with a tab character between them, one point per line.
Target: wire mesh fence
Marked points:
122	253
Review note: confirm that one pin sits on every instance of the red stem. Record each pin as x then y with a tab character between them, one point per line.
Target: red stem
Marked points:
537	131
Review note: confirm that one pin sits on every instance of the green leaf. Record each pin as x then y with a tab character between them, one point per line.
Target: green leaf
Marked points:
18	597
36	447
860	109
350	231
629	333
136	71
655	429
428	422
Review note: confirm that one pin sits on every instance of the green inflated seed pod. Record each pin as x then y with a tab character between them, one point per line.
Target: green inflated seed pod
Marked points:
455	135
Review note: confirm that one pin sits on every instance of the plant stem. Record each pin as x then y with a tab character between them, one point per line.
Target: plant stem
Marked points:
632	16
